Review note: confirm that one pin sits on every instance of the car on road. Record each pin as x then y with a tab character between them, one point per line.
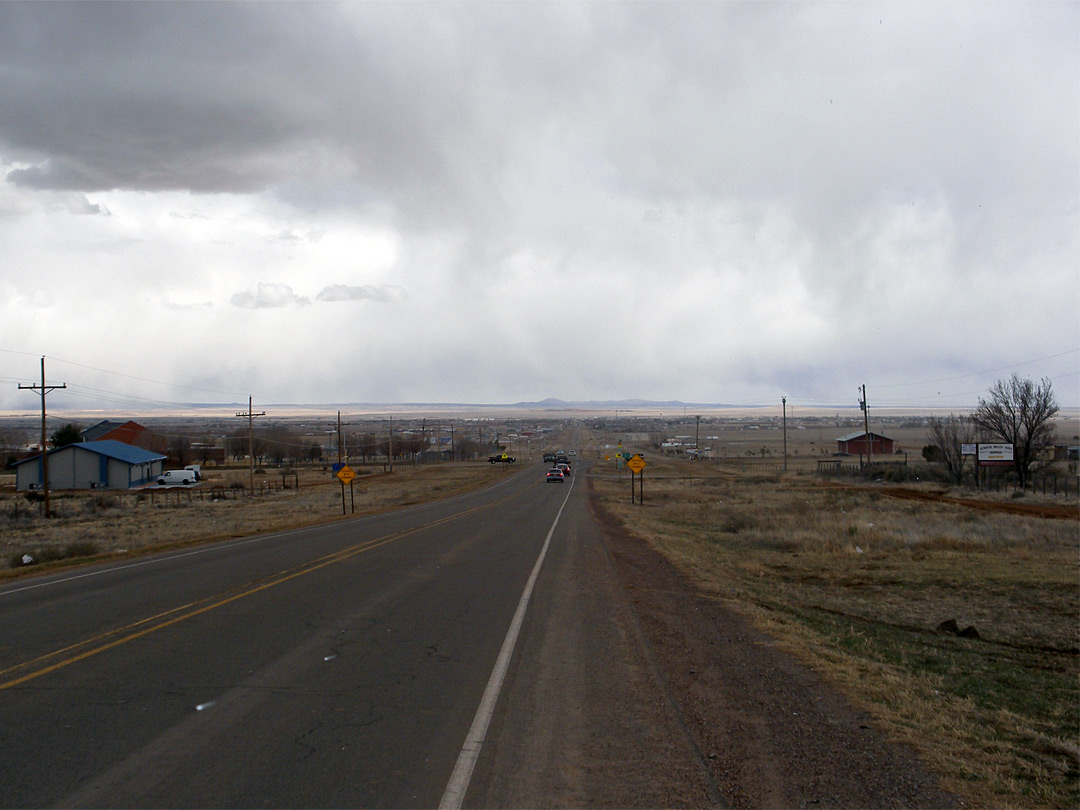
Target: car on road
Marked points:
564	467
555	475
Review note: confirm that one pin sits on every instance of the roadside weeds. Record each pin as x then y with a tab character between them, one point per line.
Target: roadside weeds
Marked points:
857	585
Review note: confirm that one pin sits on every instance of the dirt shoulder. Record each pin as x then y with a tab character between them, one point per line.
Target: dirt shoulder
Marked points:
774	733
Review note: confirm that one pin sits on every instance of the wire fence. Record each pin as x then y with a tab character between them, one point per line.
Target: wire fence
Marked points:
1058	482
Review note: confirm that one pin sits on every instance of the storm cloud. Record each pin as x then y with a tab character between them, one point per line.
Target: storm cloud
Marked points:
717	202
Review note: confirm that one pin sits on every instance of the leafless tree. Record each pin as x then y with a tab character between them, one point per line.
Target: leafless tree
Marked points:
468	449
369	446
1020	413
948	436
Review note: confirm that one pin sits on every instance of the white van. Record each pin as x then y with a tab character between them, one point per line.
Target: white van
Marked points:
197	469
176	477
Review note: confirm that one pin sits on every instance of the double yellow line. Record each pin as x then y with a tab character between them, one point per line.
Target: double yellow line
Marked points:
122	635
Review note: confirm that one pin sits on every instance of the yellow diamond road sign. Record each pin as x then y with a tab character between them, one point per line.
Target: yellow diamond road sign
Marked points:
346	474
636	463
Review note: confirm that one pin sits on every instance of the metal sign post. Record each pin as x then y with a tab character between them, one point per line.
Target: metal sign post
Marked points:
346	475
637	467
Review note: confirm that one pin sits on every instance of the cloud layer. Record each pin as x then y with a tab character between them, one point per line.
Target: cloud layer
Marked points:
488	202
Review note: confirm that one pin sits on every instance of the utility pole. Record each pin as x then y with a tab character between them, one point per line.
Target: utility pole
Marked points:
44	389
340	439
697	436
784	401
390	446
866	425
251	443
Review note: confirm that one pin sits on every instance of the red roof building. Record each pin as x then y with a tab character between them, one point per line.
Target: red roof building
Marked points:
855	444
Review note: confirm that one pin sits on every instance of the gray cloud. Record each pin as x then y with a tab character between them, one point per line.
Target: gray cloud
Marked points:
772	191
364	292
268	296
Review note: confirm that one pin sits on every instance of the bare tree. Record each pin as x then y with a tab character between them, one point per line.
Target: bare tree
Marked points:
1020	413
948	436
468	449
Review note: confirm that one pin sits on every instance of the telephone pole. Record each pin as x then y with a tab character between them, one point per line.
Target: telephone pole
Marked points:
44	389
251	443
866	425
783	400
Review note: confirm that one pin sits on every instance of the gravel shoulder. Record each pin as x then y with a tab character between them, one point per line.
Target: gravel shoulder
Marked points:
774	733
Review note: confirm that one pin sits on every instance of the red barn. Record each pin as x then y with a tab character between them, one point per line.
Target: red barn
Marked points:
855	444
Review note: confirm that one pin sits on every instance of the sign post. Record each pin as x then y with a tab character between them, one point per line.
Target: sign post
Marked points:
992	455
346	475
637	467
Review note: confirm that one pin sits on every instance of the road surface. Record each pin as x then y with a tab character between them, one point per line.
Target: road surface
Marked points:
344	666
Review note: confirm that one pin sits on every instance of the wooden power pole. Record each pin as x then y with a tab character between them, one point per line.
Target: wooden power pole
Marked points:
866	426
251	443
43	390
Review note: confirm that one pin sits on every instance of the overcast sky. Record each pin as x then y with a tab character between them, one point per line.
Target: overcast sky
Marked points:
498	202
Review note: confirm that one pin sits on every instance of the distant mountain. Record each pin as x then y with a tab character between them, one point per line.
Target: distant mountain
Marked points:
551	403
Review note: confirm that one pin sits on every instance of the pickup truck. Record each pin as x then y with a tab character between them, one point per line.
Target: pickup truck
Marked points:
501	459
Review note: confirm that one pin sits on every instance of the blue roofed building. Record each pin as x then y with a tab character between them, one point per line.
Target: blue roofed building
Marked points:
106	464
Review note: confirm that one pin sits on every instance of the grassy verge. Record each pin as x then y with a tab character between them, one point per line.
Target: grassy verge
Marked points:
858	584
96	525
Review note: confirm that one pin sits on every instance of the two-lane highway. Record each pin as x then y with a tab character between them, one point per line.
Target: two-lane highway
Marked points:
335	666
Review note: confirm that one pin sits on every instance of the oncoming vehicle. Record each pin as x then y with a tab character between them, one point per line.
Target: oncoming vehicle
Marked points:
177	477
555	475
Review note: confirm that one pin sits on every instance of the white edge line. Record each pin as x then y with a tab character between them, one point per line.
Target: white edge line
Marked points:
454	794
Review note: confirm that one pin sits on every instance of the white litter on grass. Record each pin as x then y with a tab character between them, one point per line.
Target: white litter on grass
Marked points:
329	657
202	706
27	559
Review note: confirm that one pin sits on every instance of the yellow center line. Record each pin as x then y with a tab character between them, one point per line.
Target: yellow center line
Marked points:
199	607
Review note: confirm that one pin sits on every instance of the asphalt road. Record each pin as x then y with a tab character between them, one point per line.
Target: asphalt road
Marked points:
342	666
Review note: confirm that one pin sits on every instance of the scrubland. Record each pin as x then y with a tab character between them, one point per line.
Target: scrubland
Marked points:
958	629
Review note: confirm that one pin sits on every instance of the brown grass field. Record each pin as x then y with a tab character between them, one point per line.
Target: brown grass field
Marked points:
114	523
857	582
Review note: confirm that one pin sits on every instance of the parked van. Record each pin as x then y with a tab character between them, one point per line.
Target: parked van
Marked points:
176	477
197	469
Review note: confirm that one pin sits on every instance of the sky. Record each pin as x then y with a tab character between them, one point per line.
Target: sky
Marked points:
495	202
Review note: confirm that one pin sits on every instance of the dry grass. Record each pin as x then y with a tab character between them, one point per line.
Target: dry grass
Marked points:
86	525
857	583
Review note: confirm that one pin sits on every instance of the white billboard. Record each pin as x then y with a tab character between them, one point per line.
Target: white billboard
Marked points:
995	454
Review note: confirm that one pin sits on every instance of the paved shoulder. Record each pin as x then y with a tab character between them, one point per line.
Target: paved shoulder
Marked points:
585	719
